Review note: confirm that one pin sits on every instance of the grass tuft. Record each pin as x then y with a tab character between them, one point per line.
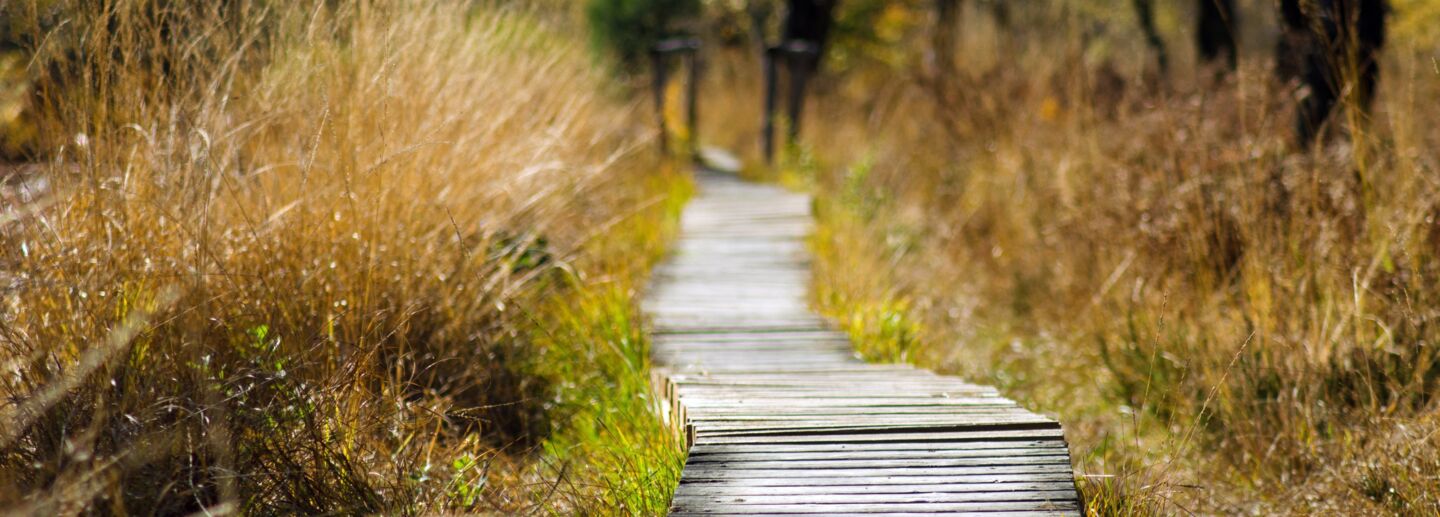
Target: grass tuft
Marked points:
284	258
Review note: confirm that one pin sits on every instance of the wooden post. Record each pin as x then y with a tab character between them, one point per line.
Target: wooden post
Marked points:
796	101
800	59
944	38
657	67
799	71
1215	35
1145	14
690	47
692	111
767	123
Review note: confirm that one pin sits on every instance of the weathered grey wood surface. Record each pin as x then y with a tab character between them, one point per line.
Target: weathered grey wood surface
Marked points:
782	418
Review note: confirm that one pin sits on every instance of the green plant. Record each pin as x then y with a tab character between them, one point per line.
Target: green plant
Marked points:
628	29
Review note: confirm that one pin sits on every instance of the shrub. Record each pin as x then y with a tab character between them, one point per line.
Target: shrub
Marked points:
627	29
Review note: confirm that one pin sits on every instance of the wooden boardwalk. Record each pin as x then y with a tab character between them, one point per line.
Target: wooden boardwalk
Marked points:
780	416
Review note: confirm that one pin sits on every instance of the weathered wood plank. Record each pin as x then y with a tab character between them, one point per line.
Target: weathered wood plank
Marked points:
716	472
833	508
769	393
751	456
1014	513
716	488
1060	494
889	463
782	428
936	447
880	402
940	437
875	480
752	335
911	414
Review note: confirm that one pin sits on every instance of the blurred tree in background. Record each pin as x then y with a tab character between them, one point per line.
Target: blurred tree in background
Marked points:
627	29
18	39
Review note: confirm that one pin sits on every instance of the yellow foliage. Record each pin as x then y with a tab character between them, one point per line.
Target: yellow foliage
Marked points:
1414	24
16	129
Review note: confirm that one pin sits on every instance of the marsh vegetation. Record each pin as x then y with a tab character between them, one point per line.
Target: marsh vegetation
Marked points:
270	257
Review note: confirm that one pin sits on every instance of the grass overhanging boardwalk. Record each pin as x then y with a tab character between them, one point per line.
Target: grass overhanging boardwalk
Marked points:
782	418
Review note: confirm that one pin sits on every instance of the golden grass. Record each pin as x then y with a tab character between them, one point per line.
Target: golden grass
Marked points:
1223	323
292	258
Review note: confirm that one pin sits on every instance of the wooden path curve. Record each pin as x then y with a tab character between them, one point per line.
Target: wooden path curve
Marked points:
781	417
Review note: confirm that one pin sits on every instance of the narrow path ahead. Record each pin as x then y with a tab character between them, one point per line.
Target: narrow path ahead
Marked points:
780	416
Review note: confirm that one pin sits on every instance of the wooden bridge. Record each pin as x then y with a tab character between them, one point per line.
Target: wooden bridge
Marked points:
781	418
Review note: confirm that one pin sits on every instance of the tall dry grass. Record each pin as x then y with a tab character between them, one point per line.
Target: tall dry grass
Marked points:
288	257
1225	322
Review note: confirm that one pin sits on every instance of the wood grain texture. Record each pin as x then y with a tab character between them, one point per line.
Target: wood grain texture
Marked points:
781	416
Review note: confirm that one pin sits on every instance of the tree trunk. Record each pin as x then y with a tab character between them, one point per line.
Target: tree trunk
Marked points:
1145	14
807	26
810	20
1346	37
946	35
1216	32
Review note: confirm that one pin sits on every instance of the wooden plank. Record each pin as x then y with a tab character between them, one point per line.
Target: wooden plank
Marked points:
844	424
1015	513
835	378
801	507
969	418
819	396
894	381
912	414
876	480
874	379
687	347
760	352
921	454
778	393
717	406
928	447
879	375
1060	494
931	436
722	473
878	402
752	335
818	427
888	463
763	327
725	489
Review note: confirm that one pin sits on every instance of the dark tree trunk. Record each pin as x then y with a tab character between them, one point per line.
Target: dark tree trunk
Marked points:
1145	13
809	20
1216	32
1343	54
1291	15
759	19
1000	9
1293	44
946	35
805	33
770	64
